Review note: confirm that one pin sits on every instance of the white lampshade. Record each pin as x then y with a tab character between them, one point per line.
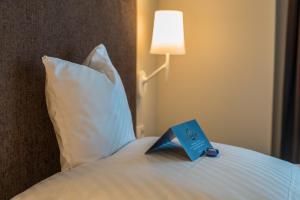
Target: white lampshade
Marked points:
168	33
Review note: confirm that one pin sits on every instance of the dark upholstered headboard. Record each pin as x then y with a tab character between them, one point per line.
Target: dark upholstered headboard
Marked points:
68	29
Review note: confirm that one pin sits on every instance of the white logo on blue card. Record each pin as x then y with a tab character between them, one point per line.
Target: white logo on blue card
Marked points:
190	136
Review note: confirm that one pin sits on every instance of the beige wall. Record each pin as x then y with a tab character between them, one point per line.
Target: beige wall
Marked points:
225	80
146	114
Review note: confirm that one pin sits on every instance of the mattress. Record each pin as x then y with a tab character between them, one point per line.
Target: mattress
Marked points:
237	174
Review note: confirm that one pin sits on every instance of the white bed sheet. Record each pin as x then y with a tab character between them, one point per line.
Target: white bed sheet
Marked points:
237	174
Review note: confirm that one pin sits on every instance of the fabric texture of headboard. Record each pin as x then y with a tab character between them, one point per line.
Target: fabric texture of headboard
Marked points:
67	29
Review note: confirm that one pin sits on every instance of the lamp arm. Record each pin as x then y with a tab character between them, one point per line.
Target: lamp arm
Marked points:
143	79
163	66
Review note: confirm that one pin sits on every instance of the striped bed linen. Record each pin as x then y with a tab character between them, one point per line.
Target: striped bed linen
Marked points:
237	174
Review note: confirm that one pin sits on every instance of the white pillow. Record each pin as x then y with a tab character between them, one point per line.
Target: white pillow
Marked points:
89	112
99	60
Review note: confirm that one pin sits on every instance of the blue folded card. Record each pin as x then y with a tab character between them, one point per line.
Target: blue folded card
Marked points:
190	136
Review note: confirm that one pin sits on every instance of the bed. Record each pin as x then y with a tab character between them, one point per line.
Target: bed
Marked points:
130	174
29	154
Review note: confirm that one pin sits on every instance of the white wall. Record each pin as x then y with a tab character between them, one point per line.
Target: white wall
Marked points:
225	80
146	111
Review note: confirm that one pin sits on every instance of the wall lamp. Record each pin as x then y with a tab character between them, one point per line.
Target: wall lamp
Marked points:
167	39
